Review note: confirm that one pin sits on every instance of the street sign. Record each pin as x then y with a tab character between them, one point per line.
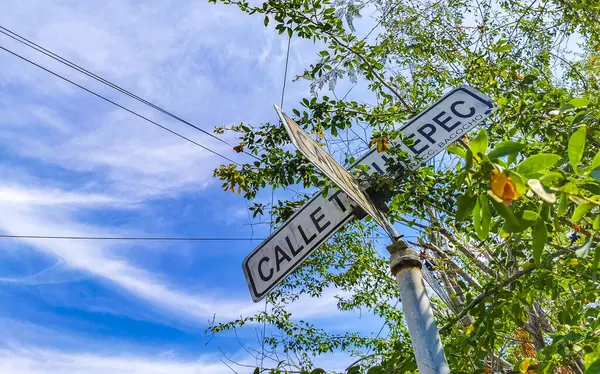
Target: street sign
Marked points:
282	252
321	217
330	167
440	125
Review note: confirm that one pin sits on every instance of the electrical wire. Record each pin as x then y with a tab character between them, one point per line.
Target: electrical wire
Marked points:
21	39
140	238
145	238
118	105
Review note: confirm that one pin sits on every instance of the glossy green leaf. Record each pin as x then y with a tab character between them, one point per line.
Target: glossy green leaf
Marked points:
457	150
479	143
579	102
530	215
594	368
505	212
535	163
503	48
505	148
576	147
596	225
482	217
518	181
266	21
581	210
540	237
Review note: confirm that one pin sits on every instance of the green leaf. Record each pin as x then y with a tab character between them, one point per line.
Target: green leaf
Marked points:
266	21
482	217
469	160
581	210
594	368
256	371
318	371
503	48
505	148
464	205
530	215
584	250
353	370
540	236
523	366
518	181
576	147
479	143
536	163
596	161
580	102
505	212
596	225
552	179
563	205
459	151
595	261
375	370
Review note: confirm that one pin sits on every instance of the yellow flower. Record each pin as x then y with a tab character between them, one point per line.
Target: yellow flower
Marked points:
503	187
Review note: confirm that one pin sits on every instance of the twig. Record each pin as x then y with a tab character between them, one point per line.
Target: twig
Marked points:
457	268
361	359
484	295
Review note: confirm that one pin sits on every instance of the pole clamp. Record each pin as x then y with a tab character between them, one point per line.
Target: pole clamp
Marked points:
402	257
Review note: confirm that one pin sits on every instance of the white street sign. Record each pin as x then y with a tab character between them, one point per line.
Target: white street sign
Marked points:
320	217
330	167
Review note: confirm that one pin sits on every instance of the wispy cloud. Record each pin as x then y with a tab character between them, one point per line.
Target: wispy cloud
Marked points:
99	259
40	361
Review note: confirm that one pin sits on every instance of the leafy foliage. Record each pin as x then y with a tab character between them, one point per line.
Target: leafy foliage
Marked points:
509	220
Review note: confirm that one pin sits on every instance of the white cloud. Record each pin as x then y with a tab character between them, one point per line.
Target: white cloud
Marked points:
41	361
208	63
19	195
101	259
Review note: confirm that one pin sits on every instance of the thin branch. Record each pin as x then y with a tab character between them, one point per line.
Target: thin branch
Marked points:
361	359
447	258
464	250
484	295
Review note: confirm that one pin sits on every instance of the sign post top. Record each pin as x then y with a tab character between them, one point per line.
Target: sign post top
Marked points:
332	169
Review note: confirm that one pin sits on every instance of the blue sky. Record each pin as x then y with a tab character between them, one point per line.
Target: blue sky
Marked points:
72	164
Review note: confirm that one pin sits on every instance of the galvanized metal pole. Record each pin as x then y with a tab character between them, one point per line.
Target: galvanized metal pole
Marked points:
427	345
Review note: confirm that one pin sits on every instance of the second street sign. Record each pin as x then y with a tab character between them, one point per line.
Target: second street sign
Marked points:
330	167
320	217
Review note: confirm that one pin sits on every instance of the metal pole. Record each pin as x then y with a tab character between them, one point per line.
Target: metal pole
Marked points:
427	345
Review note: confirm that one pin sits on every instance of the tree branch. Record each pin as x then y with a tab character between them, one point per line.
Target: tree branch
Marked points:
484	295
455	267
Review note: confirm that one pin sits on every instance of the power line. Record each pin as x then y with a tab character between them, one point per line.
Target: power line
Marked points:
135	238
21	39
119	105
138	238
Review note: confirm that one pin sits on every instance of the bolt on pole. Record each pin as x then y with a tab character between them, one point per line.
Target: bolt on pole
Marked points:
405	265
